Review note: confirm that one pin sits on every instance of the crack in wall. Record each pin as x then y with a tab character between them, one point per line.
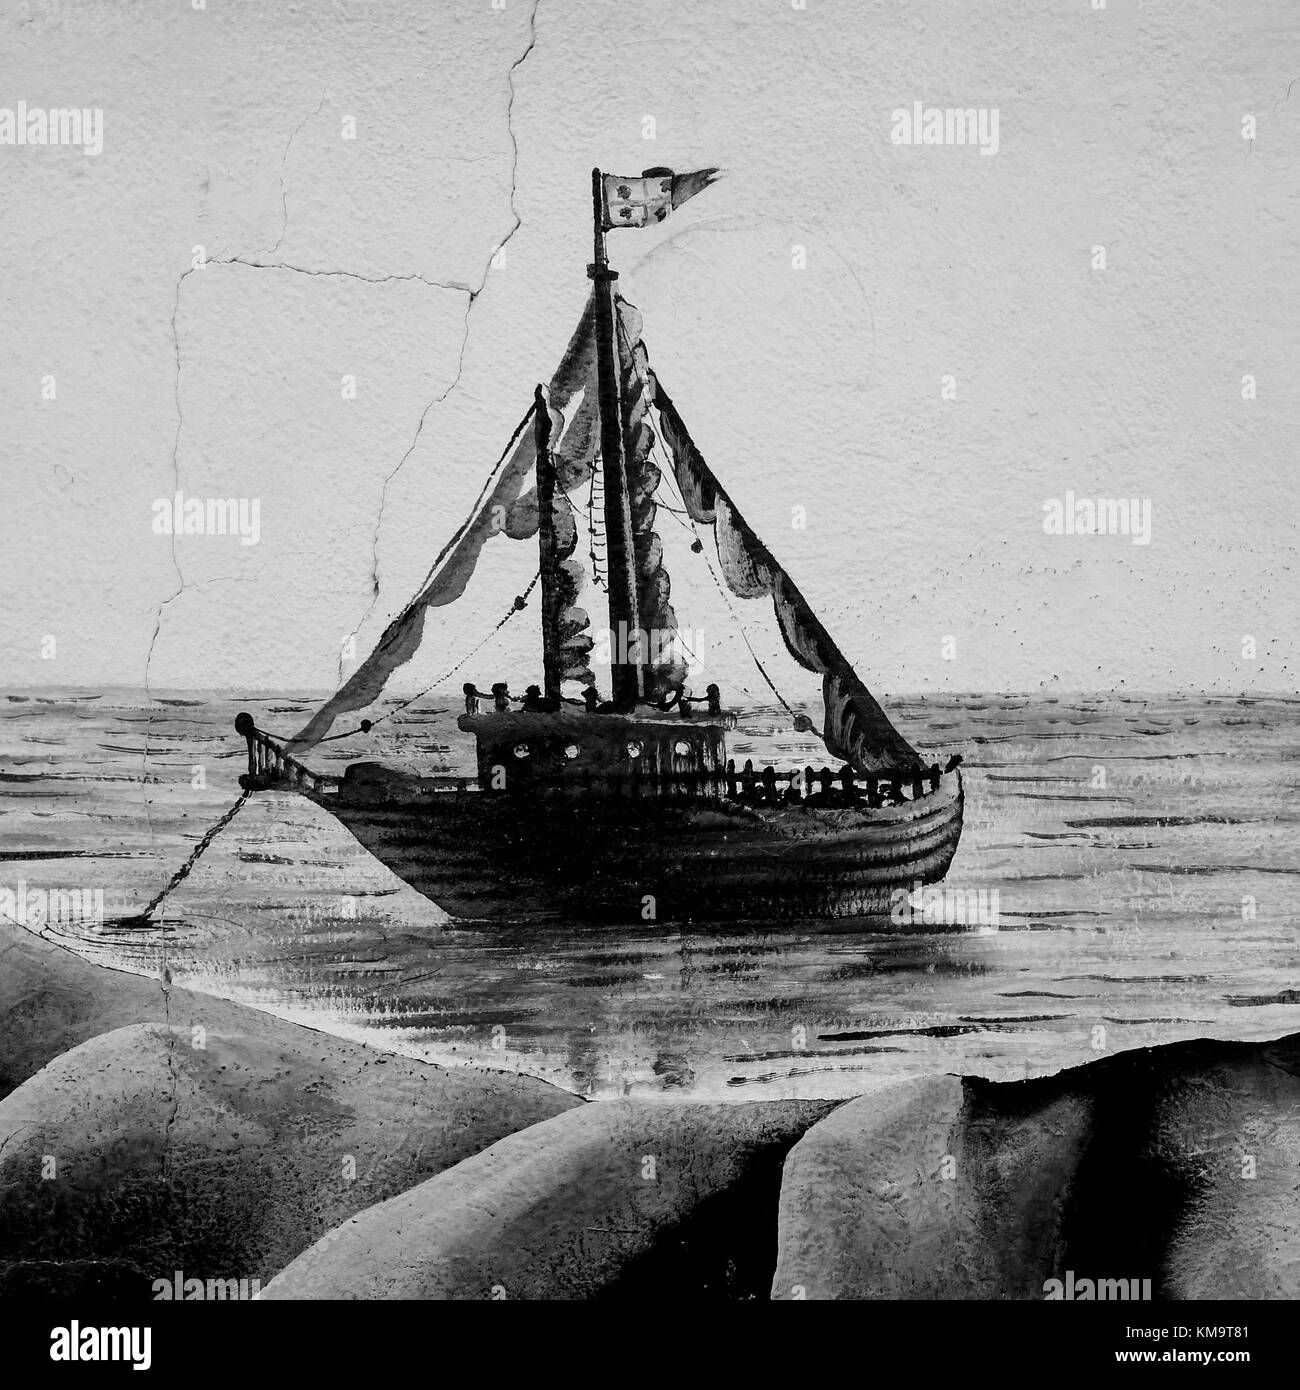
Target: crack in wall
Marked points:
460	363
259	264
176	564
164	981
345	274
237	260
284	160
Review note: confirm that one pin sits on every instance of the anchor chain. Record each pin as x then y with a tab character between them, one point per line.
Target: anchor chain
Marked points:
142	917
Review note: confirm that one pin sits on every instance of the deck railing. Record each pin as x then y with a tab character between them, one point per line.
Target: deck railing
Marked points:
827	787
269	764
766	786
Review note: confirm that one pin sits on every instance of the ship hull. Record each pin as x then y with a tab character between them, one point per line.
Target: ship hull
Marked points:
493	858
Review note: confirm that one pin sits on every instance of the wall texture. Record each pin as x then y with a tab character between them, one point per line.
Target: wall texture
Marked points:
226	127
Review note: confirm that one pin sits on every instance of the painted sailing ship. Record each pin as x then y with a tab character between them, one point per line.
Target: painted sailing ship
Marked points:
622	804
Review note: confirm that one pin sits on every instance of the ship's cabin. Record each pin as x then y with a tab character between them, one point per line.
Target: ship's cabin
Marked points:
645	752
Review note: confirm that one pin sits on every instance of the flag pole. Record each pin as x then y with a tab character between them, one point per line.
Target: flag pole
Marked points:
627	675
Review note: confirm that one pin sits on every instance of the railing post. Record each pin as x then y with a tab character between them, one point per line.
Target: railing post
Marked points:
244	725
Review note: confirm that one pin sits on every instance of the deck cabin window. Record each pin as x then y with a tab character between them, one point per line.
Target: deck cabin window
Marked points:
571	750
633	748
521	750
682	748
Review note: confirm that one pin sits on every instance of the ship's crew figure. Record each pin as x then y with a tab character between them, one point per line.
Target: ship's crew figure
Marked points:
538	703
501	696
676	696
590	698
712	698
472	697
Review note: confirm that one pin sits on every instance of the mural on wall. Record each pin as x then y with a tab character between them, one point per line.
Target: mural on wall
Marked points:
611	918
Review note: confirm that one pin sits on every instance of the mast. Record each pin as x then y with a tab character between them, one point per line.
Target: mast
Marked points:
548	562
628	676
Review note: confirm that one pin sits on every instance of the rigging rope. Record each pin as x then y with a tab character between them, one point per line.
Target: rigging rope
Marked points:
592	541
519	604
458	534
667	471
762	670
478	504
365	725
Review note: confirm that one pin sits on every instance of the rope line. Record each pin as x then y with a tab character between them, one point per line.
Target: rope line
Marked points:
195	854
668	471
477	507
515	607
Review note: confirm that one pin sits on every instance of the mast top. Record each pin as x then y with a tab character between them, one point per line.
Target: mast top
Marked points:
628	676
599	268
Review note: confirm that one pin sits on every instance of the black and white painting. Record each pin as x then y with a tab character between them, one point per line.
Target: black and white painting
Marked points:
649	647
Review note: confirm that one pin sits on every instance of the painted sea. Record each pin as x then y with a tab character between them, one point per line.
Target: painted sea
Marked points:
1145	853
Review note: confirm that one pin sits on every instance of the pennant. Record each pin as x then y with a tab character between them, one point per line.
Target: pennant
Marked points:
642	201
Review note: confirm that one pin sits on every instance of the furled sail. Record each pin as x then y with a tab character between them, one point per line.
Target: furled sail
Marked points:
565	627
572	635
665	667
856	729
503	505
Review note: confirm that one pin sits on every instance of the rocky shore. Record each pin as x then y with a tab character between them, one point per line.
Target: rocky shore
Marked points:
146	1130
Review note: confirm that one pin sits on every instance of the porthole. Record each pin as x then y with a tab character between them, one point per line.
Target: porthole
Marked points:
633	748
682	748
571	750
521	750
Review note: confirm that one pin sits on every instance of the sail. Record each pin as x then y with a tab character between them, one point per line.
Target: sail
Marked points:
665	667
503	505
856	729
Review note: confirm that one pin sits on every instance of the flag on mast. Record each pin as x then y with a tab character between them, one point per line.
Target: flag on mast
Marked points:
639	202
